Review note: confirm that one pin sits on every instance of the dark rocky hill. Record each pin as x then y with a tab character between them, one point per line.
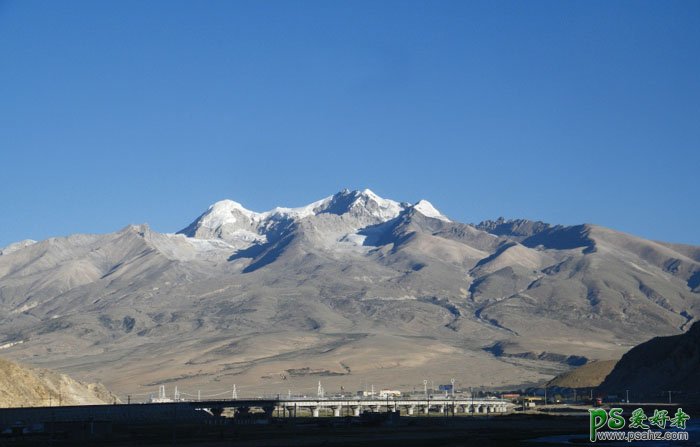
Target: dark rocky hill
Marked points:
659	365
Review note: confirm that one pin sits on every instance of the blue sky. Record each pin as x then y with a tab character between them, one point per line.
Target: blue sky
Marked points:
127	111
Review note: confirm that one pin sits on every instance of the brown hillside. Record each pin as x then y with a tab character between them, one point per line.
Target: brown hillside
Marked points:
589	375
23	386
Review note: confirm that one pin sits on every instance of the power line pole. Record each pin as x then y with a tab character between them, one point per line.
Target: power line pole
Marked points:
627	398
545	395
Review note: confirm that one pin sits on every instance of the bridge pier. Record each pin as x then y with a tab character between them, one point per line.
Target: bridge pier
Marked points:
269	411
426	409
290	411
356	410
410	409
336	410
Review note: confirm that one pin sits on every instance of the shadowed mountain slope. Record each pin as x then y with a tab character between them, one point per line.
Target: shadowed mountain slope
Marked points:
659	365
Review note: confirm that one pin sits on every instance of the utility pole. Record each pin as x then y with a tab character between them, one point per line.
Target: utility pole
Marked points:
628	396
425	387
669	396
545	395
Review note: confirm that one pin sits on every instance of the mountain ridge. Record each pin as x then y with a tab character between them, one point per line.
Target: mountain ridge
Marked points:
391	290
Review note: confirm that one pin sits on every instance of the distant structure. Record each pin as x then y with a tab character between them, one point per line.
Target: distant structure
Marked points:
389	393
162	397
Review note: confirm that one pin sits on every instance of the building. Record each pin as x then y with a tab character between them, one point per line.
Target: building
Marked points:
389	393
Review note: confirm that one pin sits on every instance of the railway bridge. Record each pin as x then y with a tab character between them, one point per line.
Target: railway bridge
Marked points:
285	407
411	406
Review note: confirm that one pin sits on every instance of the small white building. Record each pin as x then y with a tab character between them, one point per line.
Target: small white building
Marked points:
389	393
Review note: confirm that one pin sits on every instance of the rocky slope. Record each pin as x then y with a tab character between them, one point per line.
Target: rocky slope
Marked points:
590	375
23	386
659	365
351	289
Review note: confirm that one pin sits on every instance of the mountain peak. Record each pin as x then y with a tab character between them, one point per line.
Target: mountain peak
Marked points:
230	220
428	210
369	193
368	203
227	209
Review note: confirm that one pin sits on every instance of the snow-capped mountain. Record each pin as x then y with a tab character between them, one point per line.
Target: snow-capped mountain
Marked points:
231	222
350	288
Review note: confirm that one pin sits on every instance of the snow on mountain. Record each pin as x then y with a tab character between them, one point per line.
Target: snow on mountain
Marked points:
232	222
428	210
16	246
225	211
375	206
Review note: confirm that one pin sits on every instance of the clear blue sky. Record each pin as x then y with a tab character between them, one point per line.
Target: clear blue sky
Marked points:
130	111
